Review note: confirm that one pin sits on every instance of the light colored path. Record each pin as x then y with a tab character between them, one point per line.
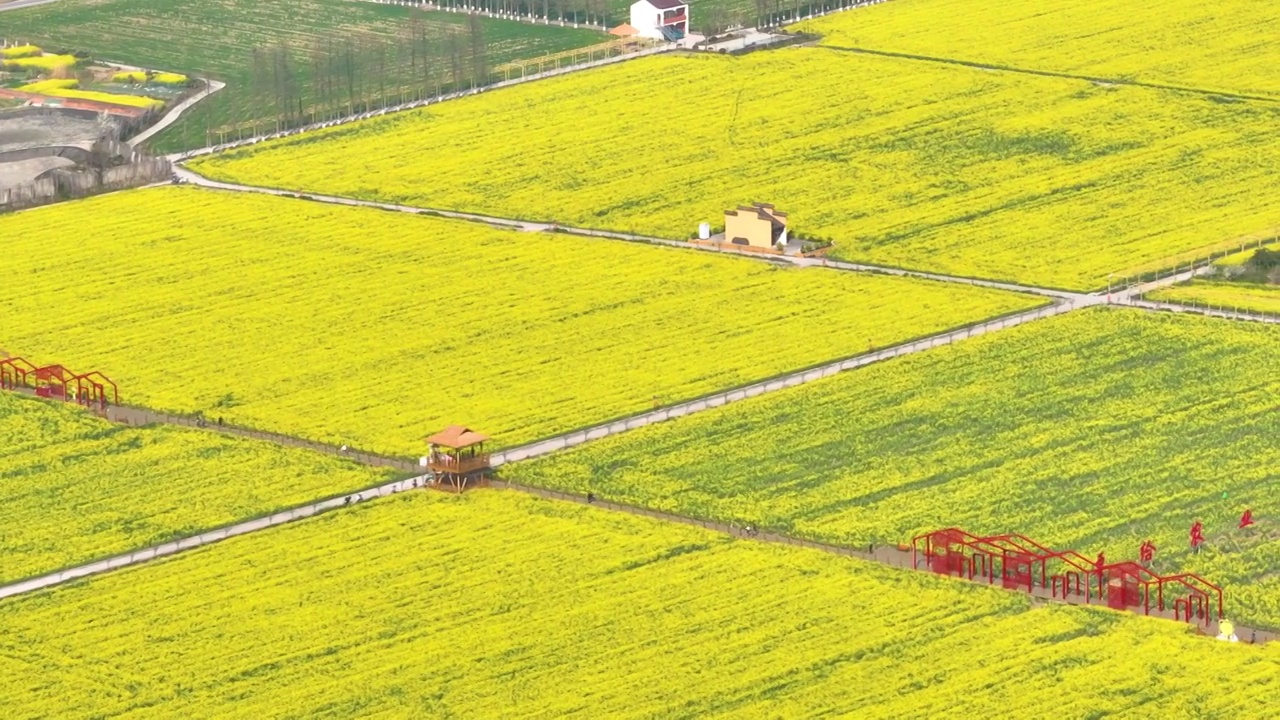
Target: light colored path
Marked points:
891	556
1225	314
128	415
578	437
195	541
888	555
19	4
211	87
1102	81
525	452
194	178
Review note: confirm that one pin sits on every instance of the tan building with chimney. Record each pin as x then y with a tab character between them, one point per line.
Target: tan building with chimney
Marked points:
758	225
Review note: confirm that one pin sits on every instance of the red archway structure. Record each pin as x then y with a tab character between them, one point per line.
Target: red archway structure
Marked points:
51	381
92	388
1199	599
1020	563
14	372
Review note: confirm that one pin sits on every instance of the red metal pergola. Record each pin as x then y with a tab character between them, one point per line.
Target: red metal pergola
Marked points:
91	388
57	381
52	381
953	551
13	373
1014	559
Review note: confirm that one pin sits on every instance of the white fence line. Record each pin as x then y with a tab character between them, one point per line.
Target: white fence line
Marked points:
1199	310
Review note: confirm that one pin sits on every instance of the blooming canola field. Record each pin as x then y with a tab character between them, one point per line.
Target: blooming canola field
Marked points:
75	488
1043	180
372	329
1095	431
1233	296
1225	46
499	604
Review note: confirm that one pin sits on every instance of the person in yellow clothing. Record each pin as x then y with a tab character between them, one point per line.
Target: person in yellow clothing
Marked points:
1227	631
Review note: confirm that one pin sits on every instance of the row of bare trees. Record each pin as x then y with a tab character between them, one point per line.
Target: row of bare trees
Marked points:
355	72
345	74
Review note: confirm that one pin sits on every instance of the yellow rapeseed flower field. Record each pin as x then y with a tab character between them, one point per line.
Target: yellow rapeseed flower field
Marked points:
70	89
18	51
1095	431
142	76
1240	258
1224	295
74	488
45	63
372	328
1223	46
1049	181
495	604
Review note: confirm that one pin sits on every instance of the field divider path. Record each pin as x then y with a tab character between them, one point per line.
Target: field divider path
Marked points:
19	4
689	407
1208	312
1097	80
174	547
171	117
893	556
191	177
142	416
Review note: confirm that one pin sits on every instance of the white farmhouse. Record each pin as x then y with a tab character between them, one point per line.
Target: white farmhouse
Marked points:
660	19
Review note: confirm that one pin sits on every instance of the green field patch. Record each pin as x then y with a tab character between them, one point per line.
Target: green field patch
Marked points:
226	39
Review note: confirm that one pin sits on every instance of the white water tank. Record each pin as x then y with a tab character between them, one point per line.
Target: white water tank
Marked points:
704	231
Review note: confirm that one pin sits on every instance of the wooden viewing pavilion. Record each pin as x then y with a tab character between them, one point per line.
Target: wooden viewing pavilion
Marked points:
458	459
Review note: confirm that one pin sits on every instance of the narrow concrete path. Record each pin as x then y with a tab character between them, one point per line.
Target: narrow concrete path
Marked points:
20	4
578	437
1080	297
136	416
1135	291
129	415
888	555
205	538
1208	312
191	177
1097	80
175	112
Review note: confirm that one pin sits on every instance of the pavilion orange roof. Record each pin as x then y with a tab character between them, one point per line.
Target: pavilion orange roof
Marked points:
624	30
457	436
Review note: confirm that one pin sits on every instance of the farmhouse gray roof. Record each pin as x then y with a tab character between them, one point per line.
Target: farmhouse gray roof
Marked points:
667	4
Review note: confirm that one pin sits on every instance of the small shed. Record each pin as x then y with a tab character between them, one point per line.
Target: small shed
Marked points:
759	225
458	458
